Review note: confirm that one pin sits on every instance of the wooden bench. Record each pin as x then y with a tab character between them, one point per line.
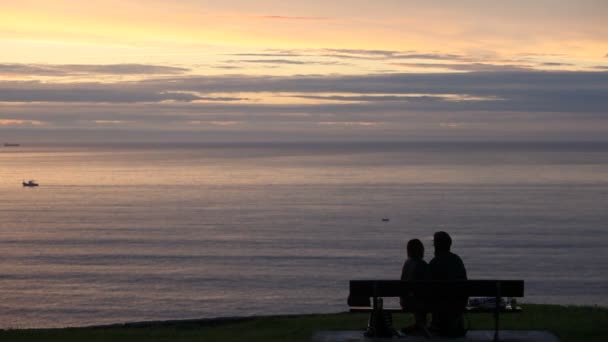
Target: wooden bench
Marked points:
362	290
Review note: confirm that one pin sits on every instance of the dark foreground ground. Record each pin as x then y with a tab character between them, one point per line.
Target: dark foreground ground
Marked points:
569	323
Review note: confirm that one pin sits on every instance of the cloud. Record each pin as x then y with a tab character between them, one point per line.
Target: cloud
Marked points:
404	98
225	123
227	67
89	93
178	122
428	56
111	122
365	54
497	83
399	101
216	123
349	123
126	92
451	124
477	67
19	122
556	64
268	61
58	70
356	98
221	98
361	54
411	58
390	55
126	69
374	98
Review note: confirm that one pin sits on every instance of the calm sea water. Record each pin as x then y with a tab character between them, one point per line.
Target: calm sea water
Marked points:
155	232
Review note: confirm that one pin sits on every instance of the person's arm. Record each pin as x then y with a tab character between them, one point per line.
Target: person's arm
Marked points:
403	273
463	270
403	277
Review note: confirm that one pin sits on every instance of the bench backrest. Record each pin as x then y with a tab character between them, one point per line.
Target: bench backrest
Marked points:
469	288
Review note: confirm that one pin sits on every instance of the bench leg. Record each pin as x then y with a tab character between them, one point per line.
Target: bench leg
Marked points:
373	321
497	312
496	327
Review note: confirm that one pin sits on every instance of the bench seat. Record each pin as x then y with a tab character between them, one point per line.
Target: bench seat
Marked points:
468	309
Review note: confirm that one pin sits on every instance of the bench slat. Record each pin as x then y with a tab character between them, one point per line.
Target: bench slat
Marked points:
368	309
471	288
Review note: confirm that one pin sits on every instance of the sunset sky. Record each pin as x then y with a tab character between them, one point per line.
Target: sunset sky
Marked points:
193	70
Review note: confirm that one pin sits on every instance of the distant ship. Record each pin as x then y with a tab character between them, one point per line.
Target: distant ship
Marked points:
385	219
30	183
11	145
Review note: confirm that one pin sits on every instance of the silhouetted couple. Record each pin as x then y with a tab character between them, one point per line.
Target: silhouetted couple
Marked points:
447	311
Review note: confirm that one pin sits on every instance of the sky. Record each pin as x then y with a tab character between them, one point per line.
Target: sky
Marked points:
266	70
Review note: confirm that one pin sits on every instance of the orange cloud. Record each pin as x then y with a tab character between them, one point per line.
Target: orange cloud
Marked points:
216	123
16	122
349	123
111	122
225	123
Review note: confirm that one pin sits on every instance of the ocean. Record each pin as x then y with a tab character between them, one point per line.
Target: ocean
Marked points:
121	233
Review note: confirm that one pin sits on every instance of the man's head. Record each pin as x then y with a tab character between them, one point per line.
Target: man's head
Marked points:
442	242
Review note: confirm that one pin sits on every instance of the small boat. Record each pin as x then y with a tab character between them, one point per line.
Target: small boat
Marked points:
385	219
30	183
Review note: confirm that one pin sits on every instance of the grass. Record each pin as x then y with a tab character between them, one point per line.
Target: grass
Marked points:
569	323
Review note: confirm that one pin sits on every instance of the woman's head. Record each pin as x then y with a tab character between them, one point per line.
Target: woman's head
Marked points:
415	249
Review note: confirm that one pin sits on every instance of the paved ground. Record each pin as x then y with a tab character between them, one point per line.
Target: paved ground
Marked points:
474	335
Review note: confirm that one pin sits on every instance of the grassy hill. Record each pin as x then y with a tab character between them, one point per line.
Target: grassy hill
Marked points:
569	323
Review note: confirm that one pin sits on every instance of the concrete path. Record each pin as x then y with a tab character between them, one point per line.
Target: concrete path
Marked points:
473	335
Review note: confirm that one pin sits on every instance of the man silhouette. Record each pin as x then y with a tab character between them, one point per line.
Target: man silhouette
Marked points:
448	310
